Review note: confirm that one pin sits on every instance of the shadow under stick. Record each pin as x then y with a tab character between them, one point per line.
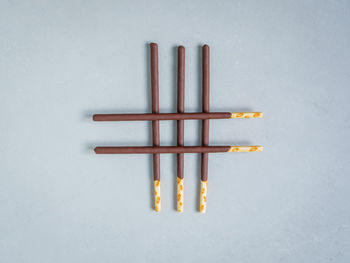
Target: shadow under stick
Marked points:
155	124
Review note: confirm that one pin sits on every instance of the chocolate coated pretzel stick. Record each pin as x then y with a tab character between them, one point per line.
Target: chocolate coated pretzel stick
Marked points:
174	149
180	125
176	116
205	127
155	124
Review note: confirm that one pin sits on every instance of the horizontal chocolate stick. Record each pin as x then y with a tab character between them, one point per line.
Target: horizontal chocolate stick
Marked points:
175	149
175	116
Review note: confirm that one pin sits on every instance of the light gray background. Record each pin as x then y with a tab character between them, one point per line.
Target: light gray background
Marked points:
62	61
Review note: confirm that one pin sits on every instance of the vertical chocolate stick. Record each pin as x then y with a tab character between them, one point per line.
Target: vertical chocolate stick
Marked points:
180	125
155	124
205	127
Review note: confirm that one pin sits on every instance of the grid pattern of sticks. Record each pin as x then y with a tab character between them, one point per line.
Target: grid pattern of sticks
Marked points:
180	116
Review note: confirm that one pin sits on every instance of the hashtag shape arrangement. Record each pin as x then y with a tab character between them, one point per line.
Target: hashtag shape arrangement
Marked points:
180	116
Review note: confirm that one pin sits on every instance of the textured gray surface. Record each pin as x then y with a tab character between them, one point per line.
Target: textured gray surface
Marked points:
62	61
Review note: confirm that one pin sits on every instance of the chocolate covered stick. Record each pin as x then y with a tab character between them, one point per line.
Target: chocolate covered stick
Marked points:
205	128
180	125
155	124
174	149
176	116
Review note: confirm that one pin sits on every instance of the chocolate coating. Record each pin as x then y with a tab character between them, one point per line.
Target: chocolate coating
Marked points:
162	116
155	108
161	149
180	107
205	108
